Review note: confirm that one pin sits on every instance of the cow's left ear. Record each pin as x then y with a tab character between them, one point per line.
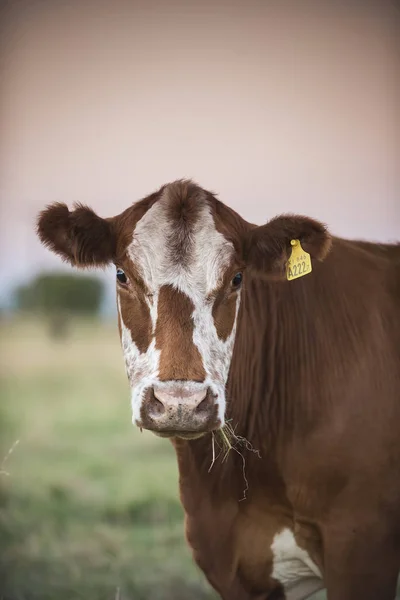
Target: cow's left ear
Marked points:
80	237
267	248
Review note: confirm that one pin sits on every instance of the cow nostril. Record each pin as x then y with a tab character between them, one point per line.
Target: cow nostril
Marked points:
205	405
155	407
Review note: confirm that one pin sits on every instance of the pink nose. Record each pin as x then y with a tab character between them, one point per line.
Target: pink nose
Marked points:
176	409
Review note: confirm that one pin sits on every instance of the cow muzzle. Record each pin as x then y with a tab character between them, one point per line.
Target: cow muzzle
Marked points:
178	410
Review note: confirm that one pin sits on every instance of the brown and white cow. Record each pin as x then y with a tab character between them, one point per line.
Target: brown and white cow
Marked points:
308	371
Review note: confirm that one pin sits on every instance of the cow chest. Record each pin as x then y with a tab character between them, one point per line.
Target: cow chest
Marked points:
269	550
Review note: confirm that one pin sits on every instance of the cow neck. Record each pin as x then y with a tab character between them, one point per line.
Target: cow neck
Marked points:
254	409
274	366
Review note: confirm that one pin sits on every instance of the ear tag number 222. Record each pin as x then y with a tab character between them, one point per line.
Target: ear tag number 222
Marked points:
299	263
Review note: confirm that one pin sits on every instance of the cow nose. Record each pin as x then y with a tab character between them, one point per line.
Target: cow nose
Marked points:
171	402
174	410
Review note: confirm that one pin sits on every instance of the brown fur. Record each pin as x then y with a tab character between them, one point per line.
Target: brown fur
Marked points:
79	237
180	358
184	208
314	385
224	311
124	224
224	307
137	317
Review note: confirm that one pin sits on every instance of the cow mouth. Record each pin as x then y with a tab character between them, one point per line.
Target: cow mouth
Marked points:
185	435
175	433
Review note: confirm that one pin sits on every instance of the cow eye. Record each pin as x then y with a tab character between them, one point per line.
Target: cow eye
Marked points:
122	278
237	280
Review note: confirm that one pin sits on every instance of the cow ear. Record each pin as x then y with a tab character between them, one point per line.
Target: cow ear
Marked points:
268	248
80	237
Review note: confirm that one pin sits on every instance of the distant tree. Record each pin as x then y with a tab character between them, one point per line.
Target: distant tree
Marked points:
59	296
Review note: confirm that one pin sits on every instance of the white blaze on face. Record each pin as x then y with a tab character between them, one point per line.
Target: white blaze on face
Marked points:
208	258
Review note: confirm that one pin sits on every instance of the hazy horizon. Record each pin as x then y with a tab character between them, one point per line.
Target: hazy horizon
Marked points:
273	107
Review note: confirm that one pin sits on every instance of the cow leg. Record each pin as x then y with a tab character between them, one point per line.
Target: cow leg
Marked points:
361	563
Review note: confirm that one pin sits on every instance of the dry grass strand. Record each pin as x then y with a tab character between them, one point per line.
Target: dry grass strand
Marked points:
5	459
230	441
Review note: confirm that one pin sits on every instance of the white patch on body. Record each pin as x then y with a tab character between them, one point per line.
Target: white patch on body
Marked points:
210	255
293	567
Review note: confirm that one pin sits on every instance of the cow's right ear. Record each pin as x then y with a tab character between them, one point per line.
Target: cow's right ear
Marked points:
267	248
80	237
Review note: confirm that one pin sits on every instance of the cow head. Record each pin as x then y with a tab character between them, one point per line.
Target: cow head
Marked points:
181	259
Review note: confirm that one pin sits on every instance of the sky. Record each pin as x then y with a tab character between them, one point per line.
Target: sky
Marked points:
276	106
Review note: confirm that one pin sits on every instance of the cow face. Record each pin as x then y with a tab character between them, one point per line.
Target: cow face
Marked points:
180	257
178	294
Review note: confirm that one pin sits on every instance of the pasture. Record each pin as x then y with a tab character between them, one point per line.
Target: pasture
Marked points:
89	506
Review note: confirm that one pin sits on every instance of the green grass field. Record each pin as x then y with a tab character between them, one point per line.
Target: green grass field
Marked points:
89	506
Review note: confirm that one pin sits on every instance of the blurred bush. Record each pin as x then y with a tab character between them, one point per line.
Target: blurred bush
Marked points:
58	296
61	292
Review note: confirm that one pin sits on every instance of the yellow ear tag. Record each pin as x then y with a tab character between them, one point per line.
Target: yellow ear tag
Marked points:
299	263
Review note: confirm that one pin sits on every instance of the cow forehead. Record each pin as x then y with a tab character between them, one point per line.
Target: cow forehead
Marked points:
168	248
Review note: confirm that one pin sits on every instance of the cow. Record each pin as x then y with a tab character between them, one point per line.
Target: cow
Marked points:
269	355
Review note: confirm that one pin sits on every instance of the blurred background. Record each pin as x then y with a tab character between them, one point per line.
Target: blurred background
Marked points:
275	105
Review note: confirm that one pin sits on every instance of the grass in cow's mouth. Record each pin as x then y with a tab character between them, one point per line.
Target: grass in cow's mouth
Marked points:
229	440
